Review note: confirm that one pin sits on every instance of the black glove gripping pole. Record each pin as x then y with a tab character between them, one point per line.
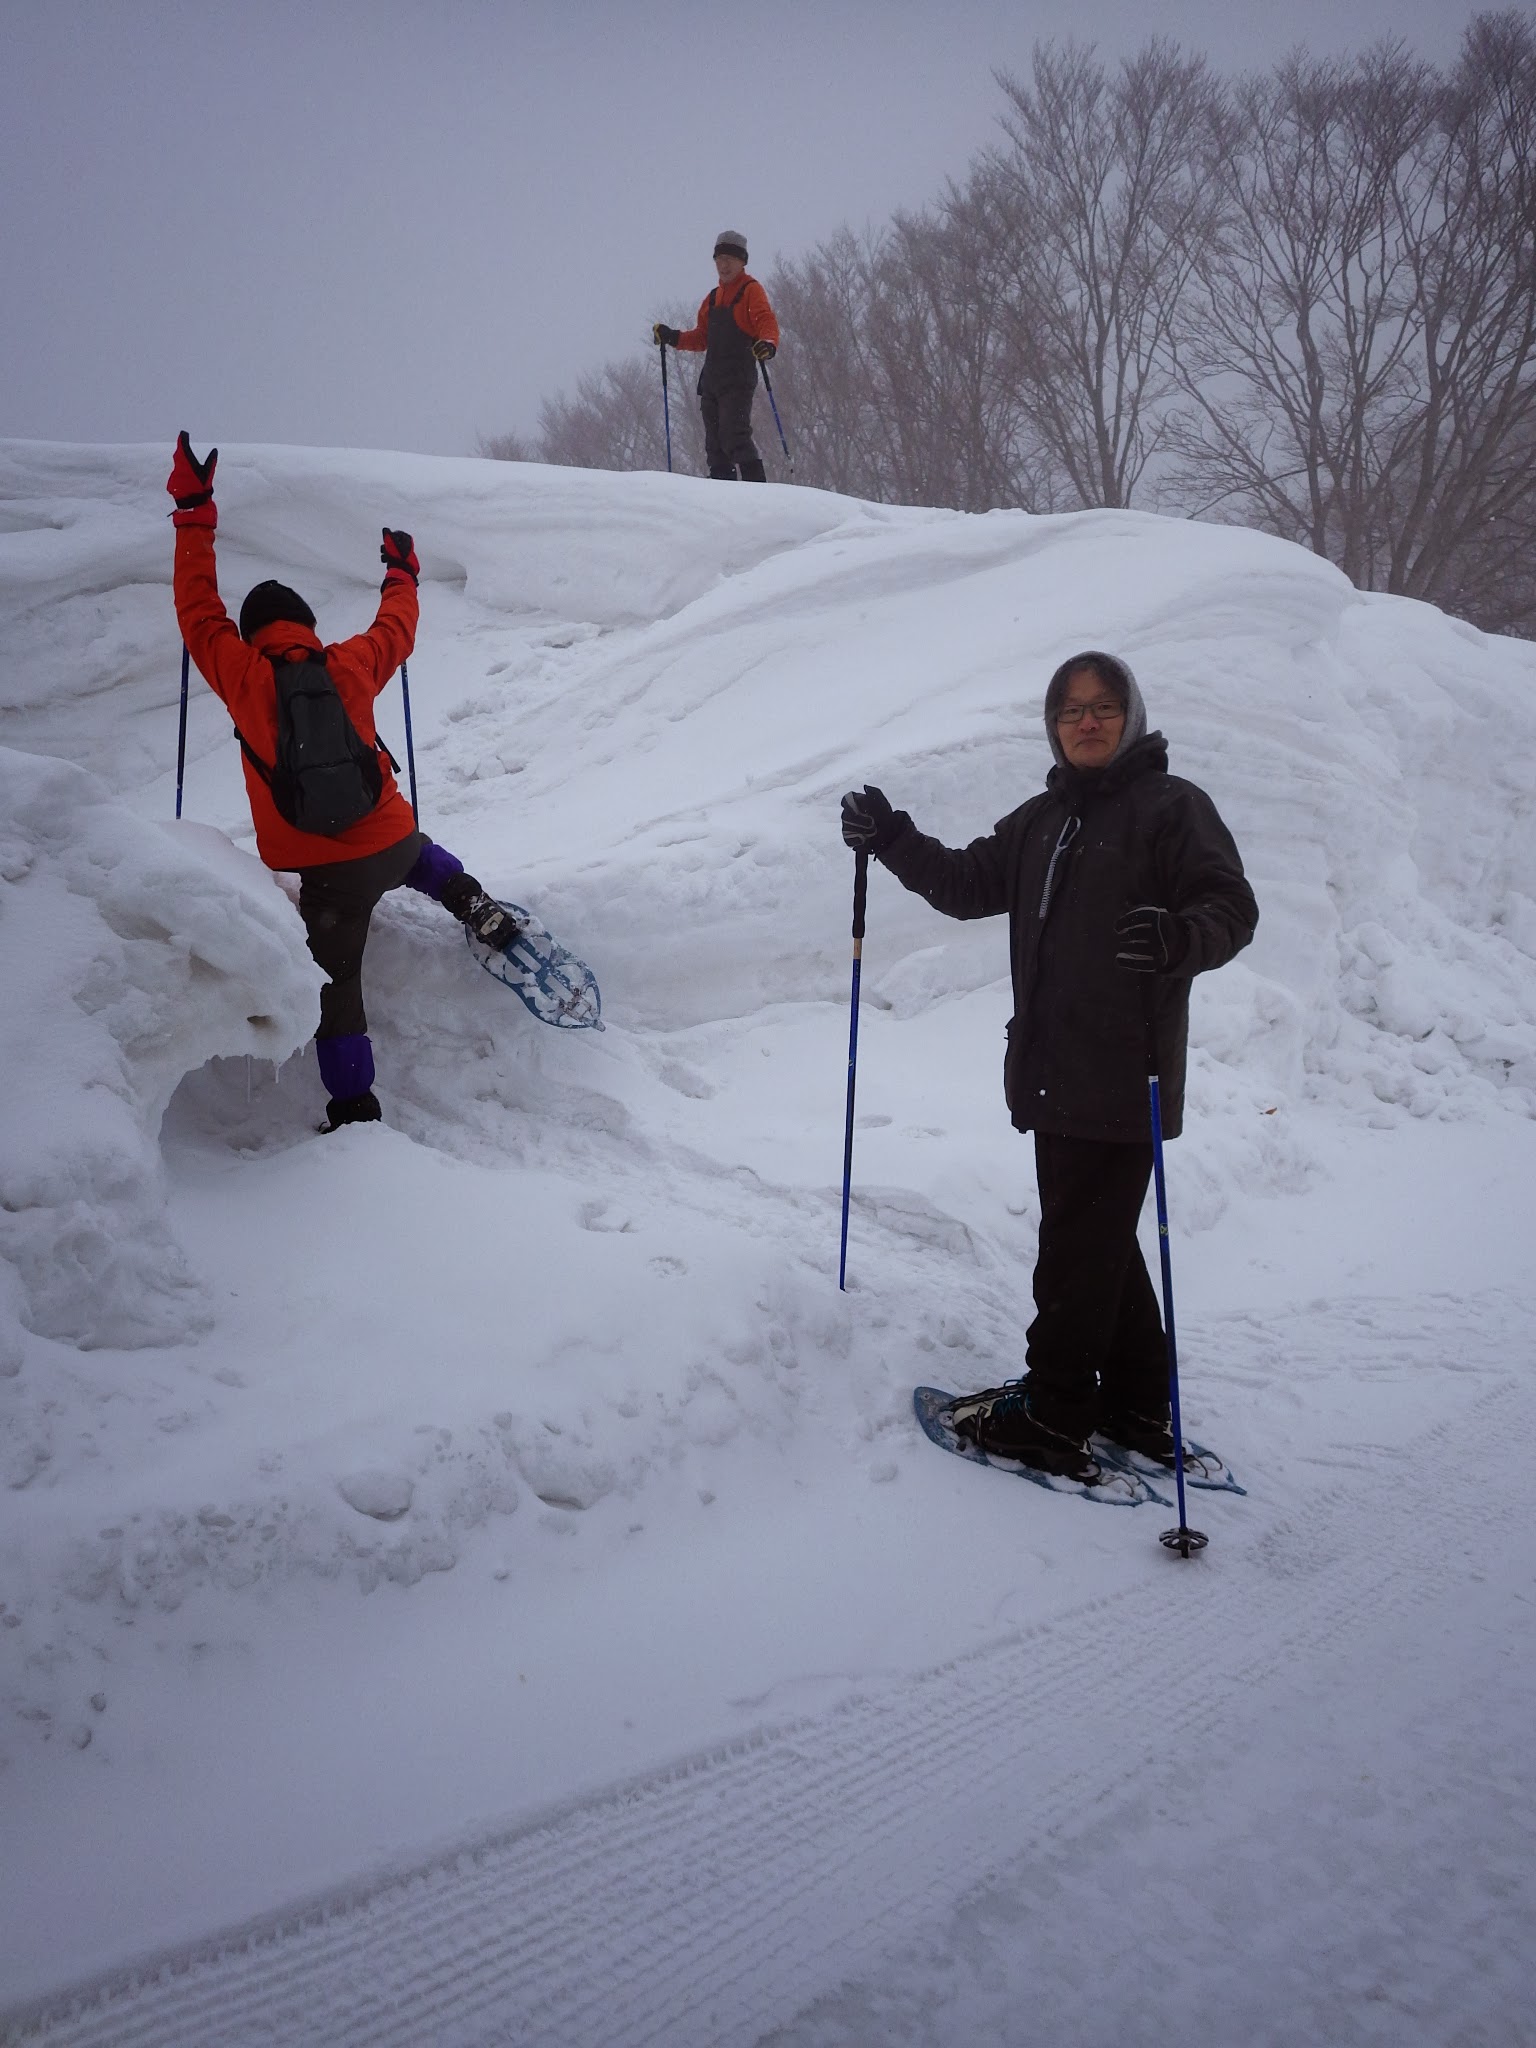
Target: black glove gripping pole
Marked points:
1184	1540
860	889
181	736
666	405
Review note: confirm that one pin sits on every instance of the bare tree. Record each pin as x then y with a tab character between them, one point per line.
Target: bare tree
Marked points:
825	376
1360	354
1103	208
613	421
508	447
1460	486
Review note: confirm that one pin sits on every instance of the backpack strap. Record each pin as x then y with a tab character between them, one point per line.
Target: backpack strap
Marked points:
254	758
250	753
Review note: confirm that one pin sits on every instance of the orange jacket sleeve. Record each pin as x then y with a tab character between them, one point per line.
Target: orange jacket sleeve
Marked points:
754	315
232	670
696	338
389	640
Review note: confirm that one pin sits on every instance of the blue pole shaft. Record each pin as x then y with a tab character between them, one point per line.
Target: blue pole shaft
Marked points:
1167	1264
776	420
181	736
860	888
666	405
410	745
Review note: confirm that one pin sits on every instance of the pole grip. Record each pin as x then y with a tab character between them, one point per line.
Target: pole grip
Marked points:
860	893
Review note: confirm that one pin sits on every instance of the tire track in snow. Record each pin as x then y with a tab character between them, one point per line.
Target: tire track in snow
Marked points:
703	1903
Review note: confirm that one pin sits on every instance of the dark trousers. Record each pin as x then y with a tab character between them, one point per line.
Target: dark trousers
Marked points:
1096	1346
728	428
337	903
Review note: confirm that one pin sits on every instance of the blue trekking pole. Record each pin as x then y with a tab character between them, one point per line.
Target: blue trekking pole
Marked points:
181	736
860	889
666	405
1184	1540
410	749
768	386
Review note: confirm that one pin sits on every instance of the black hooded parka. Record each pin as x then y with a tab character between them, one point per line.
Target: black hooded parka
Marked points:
1064	866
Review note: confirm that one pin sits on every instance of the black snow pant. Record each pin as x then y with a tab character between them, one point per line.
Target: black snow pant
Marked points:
337	903
728	438
1096	1347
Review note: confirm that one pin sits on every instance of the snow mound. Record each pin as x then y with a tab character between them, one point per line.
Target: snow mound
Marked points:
574	1266
130	955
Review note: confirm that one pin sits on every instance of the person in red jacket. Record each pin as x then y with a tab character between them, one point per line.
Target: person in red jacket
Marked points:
342	875
735	331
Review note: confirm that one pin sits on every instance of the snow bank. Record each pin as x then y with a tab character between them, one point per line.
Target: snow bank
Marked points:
129	955
567	1325
636	701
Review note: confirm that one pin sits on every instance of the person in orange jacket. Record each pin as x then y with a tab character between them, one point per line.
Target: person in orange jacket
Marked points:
342	874
735	331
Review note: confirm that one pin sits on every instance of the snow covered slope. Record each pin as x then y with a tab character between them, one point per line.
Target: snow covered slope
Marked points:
568	1326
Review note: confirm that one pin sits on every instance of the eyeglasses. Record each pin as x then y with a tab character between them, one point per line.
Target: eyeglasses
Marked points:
1073	714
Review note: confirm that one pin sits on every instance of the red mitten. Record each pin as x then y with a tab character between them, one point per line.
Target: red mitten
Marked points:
190	483
398	554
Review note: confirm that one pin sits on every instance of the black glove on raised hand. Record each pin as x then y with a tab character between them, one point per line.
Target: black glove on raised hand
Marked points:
869	823
666	337
1151	940
190	483
399	552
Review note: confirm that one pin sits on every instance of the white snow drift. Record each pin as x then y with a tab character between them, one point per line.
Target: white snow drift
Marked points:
578	1296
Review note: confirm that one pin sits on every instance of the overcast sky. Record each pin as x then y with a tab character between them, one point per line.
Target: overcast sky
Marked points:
400	225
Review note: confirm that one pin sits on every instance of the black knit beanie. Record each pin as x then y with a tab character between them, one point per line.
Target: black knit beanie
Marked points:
269	602
729	243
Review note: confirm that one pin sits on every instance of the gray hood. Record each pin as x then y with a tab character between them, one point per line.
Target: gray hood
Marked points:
1118	678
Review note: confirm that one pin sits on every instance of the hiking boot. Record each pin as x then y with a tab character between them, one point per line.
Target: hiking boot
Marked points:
353	1109
1151	1436
493	926
998	1422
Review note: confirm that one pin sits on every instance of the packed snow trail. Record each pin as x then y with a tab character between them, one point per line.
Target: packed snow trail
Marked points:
703	1905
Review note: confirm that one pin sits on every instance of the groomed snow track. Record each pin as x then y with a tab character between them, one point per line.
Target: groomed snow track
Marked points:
706	1904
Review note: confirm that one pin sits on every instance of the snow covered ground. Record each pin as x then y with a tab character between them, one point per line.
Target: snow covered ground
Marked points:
477	1579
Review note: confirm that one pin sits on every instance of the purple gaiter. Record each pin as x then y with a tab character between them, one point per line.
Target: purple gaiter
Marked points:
435	868
346	1065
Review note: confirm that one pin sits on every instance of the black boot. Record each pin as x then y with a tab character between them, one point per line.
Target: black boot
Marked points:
724	473
753	473
493	926
1151	1435
998	1422
354	1109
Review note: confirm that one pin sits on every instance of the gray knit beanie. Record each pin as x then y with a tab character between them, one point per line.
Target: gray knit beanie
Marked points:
1117	678
729	243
